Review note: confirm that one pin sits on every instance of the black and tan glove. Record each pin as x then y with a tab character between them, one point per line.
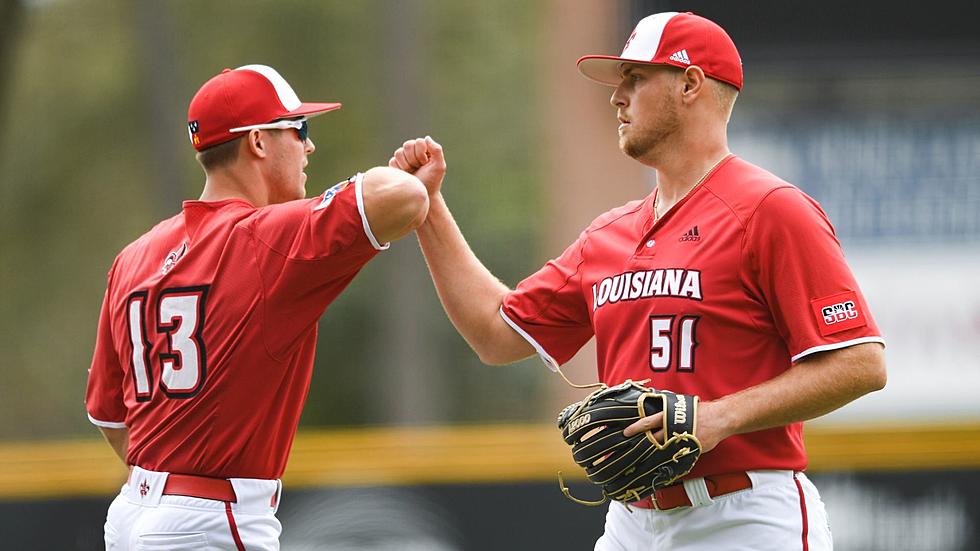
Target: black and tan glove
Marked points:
630	468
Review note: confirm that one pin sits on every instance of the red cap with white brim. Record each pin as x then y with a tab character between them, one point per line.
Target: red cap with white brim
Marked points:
248	95
671	38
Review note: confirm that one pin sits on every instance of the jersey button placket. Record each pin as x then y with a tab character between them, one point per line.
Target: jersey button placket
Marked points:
647	247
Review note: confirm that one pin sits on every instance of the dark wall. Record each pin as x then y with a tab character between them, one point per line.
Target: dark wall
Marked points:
922	511
763	28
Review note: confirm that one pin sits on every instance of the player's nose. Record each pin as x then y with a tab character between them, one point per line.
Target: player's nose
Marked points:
618	97
309	146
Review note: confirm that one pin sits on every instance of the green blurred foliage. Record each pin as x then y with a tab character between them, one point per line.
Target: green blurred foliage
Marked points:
85	171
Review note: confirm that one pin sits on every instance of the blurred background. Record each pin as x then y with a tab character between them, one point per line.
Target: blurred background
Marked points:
407	441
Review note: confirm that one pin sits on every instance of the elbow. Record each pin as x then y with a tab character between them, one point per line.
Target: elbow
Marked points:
493	357
498	342
396	202
416	202
502	351
411	200
875	372
878	377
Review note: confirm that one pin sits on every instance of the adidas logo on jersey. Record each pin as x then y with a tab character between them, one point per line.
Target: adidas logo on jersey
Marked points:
680	56
691	235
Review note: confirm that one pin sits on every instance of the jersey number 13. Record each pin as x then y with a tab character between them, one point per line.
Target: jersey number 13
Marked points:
178	321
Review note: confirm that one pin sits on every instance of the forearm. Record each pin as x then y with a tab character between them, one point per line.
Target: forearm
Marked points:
118	439
814	387
470	294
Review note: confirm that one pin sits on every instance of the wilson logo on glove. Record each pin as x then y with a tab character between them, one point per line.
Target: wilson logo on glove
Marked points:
680	410
630	468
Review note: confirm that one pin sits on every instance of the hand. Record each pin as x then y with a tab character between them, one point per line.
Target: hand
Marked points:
422	157
710	428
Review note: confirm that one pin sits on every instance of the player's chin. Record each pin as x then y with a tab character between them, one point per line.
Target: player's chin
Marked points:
301	187
627	147
634	148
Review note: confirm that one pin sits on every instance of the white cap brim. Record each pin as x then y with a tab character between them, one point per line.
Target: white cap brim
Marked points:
310	110
604	69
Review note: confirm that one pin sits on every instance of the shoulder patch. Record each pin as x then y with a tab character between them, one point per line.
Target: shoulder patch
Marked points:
840	312
328	195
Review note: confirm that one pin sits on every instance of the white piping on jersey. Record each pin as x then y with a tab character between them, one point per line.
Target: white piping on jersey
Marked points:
545	357
364	220
836	346
106	424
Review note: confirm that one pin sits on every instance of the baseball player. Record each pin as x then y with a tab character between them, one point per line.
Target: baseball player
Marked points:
726	282
207	333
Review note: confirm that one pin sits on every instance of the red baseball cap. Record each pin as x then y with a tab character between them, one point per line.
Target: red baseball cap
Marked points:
671	38
248	95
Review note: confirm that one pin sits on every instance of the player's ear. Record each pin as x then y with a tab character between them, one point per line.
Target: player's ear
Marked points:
257	143
693	81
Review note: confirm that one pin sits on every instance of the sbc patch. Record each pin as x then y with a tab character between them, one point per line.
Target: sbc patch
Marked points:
332	192
838	313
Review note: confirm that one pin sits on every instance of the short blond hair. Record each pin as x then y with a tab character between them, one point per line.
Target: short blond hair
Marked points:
725	94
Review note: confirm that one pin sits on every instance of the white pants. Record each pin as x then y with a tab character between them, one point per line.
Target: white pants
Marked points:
769	516
141	519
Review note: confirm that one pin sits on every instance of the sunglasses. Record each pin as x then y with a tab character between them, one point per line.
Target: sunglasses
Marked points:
302	129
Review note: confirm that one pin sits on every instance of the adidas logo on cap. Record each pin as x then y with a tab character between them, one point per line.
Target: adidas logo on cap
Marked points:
680	56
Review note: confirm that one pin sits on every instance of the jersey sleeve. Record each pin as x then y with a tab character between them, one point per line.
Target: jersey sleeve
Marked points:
332	225
104	392
549	310
307	252
795	263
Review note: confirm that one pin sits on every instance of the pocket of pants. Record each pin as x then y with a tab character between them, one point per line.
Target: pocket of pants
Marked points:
113	517
111	537
172	541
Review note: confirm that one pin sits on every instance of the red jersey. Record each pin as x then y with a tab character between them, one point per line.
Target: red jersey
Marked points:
208	328
738	280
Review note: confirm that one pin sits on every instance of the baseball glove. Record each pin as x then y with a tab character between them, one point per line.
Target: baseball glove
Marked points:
630	468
